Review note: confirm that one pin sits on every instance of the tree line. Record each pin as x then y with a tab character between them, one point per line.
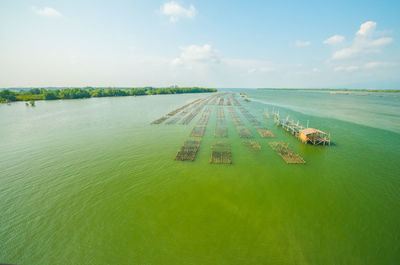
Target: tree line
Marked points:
7	95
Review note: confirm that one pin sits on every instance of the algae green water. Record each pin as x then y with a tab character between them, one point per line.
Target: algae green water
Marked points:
92	182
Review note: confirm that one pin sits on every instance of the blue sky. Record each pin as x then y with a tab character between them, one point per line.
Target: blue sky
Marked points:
352	44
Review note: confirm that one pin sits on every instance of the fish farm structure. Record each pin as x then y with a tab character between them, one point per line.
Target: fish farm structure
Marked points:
306	135
253	132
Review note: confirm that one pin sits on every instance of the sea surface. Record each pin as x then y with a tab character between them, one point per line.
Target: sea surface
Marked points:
93	182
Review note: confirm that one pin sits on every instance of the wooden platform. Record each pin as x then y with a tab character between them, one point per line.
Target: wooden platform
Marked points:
188	150
306	135
286	153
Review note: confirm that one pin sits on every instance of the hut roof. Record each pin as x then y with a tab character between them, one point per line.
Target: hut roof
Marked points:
309	131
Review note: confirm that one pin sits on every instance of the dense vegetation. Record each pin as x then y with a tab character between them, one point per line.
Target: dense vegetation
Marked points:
88	92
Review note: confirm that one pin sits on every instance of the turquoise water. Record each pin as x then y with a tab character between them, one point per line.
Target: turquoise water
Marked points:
92	182
378	110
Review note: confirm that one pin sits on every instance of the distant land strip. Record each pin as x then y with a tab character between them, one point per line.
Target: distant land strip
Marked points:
8	95
338	89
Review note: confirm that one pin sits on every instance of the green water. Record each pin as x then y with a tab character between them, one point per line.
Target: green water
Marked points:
92	182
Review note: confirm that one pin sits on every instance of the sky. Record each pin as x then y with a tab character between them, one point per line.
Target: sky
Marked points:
219	43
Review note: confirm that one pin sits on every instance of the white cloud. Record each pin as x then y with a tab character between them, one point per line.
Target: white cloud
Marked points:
365	66
370	65
176	11
300	43
366	28
197	54
365	42
380	42
205	63
262	69
335	39
46	11
350	68
345	53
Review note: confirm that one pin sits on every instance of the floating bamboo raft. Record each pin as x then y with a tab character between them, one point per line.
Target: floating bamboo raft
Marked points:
210	109
235	116
220	116
221	153
286	153
244	132
198	131
235	101
265	133
237	121
253	121
221	132
205	116
180	115
192	114
220	121
174	120
252	145
196	110
172	113
188	150
212	100
160	120
220	112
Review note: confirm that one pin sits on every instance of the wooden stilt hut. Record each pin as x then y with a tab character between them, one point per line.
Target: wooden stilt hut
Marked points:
306	135
314	136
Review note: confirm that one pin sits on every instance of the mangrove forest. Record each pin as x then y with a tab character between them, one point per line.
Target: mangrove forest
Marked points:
7	95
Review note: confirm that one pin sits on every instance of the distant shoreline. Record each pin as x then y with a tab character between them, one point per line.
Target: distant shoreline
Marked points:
337	89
